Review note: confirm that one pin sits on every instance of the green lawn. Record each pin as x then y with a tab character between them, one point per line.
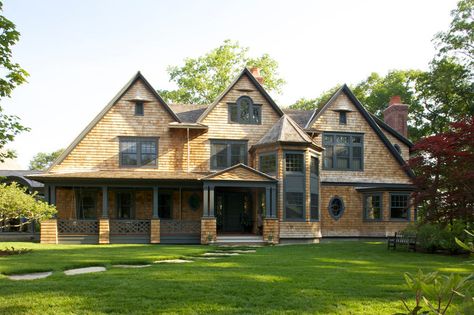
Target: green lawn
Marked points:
344	277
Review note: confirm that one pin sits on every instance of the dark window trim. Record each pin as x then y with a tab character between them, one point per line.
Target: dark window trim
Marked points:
229	154
390	206
366	195
343	207
303	174
132	201
138	140
350	146
260	162
237	104
77	195
138	105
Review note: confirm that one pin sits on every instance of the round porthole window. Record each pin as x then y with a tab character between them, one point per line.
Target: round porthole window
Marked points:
336	207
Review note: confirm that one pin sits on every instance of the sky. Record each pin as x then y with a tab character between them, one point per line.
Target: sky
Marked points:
80	53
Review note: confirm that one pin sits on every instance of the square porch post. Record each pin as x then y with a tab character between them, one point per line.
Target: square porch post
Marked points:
208	220
211	201
104	224
49	228
155	224
268	205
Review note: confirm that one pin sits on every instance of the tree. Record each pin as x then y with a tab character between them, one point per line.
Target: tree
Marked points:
17	207
42	160
313	103
444	168
11	75
200	80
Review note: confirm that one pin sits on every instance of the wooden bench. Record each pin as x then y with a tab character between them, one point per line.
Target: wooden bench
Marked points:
402	239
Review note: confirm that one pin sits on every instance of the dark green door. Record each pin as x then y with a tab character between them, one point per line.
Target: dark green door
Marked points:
232	209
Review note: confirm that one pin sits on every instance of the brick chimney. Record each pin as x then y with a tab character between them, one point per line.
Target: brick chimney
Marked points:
256	73
396	115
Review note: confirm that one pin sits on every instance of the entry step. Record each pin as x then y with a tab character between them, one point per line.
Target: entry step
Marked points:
239	239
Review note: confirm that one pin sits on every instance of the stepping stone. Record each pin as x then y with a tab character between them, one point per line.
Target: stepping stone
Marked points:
220	254
207	258
79	271
30	276
238	251
173	261
130	266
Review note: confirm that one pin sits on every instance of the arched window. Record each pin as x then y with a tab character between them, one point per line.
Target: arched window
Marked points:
397	147
336	207
244	111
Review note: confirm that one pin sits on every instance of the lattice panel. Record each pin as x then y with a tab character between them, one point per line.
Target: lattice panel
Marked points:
180	226
130	227
78	226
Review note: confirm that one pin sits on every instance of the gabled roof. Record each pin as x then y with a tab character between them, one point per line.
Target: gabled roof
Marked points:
392	131
135	78
240	172
224	93
370	120
188	113
285	130
301	117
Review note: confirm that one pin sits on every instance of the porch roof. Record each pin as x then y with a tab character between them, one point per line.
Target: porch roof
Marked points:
239	172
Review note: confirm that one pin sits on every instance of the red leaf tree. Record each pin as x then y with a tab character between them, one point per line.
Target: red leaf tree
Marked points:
444	168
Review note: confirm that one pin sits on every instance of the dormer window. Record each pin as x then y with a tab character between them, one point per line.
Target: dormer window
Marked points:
244	111
342	118
139	110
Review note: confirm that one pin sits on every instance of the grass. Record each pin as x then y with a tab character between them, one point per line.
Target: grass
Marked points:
329	278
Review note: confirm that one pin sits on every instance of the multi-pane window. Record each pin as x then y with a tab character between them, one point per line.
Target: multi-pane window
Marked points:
138	151
244	111
343	151
294	162
165	202
342	118
314	209
139	109
314	166
268	163
399	206
373	207
124	205
294	205
225	153
86	205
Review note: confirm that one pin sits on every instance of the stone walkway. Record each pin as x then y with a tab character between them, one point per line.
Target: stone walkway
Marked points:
211	255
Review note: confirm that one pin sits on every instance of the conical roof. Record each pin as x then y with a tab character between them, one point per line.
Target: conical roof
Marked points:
285	130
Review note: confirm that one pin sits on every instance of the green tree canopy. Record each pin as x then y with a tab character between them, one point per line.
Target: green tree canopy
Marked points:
200	80
42	160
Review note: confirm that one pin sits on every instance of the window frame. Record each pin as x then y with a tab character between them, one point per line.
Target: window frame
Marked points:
139	104
237	105
303	170
391	194
311	206
314	176
343	207
290	174
350	147
342	117
94	193
267	154
228	143
365	205
132	204
138	141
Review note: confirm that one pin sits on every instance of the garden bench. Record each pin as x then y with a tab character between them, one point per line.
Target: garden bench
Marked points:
402	239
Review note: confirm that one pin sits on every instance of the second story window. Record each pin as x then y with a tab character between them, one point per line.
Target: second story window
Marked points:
342	118
225	153
343	151
137	152
139	109
244	111
268	163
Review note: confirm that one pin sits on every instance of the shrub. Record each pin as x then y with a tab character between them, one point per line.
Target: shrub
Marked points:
429	237
449	235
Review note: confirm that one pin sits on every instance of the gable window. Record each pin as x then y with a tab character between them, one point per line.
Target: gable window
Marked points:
399	207
373	206
138	152
225	153
244	111
165	202
342	118
268	163
343	151
336	207
139	109
86	204
124	205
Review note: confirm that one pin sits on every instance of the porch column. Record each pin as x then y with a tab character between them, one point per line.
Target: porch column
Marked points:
211	201
205	210
268	205
273	207
104	224
155	220
208	220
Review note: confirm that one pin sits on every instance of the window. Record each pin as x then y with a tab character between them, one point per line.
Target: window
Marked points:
165	203
268	163
294	162
294	205
342	118
314	209
373	207
343	151
138	151
124	205
336	207
139	111
86	205
399	207
314	166
225	153
244	111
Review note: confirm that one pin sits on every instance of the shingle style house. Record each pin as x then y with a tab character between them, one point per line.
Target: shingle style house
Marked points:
144	171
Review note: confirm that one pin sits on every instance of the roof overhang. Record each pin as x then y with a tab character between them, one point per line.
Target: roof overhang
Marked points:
177	125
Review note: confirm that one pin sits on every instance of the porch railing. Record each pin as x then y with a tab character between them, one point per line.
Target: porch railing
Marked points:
135	227
78	226
180	226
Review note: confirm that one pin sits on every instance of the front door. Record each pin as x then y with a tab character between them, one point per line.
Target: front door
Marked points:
232	209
